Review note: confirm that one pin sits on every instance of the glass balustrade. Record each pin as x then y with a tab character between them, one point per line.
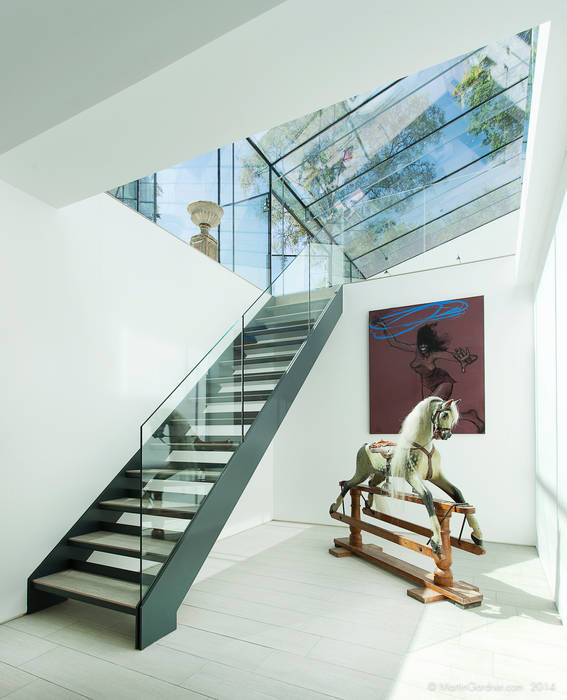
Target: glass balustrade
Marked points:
188	441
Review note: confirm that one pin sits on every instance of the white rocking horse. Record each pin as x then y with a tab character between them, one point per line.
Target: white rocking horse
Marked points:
415	459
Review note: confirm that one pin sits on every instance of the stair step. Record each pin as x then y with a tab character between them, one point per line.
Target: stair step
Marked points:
232	396
272	343
182	474
132	505
256	359
235	407
201	446
115	543
188	458
182	490
295	307
290	327
220	419
220	429
198	457
123	529
260	375
91	588
253	384
282	319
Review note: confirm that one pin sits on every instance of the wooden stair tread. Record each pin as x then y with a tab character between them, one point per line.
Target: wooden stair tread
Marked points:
103	588
167	508
209	446
271	343
128	543
202	456
182	475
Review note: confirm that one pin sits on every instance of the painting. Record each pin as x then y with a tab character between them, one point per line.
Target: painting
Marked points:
433	349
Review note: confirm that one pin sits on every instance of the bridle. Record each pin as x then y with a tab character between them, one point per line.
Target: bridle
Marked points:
440	433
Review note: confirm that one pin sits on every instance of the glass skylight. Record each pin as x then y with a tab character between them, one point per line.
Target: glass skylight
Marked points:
387	174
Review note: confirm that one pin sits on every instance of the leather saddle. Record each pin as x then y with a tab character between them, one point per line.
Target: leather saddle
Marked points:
383	447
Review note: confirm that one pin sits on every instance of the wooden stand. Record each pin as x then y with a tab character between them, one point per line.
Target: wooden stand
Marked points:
435	586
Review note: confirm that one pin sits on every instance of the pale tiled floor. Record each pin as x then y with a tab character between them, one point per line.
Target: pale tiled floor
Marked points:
273	615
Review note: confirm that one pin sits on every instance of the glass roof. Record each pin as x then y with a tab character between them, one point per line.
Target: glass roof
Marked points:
387	174
413	164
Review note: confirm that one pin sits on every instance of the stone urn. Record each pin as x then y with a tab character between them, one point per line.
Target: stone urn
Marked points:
205	215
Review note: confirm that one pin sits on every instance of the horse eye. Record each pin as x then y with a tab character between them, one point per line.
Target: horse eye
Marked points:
444	415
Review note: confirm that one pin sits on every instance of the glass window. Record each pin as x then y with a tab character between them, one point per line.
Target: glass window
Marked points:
251	241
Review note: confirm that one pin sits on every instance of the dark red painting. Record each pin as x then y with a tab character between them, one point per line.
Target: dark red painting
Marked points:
434	349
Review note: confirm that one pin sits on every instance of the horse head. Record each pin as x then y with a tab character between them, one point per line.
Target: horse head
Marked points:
444	419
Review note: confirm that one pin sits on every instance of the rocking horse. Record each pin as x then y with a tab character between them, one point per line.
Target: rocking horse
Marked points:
415	459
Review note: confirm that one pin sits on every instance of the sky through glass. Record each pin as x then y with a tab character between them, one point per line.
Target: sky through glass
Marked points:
387	175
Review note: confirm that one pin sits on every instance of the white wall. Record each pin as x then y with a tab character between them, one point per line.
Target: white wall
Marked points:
546	419
316	445
103	313
551	413
561	427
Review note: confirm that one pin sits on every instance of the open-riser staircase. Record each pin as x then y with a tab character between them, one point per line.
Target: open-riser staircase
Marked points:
141	543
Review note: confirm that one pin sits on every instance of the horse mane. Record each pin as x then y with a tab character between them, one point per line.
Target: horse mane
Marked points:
415	423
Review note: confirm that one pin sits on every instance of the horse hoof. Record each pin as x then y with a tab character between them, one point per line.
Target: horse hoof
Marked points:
332	509
435	547
476	540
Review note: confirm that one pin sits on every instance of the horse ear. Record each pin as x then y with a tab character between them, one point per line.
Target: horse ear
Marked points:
457	402
447	404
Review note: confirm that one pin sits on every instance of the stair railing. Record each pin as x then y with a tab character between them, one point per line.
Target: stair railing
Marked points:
305	288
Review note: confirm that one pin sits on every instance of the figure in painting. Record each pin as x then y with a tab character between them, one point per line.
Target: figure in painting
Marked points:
429	350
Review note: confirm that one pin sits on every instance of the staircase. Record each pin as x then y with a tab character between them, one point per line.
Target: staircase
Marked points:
141	543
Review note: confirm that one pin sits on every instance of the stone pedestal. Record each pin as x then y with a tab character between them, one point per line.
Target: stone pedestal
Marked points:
206	244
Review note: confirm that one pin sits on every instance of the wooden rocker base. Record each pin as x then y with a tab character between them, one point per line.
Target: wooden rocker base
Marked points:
463	594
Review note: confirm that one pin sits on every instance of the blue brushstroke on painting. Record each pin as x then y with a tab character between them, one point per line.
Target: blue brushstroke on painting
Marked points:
400	322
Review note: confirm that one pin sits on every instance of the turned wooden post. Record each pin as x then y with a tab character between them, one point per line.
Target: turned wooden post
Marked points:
355	539
443	576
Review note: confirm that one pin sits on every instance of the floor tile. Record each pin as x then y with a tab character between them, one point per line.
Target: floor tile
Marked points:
323	677
384	664
215	647
43	690
227	683
13	679
157	661
18	647
96	678
273	615
43	622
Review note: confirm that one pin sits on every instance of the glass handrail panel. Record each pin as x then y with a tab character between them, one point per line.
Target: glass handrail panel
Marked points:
181	392
189	440
277	325
183	454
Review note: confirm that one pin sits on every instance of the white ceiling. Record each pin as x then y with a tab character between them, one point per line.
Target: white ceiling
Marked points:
92	121
63	56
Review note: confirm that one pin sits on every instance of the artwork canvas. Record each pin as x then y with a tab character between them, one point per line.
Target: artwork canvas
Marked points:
433	349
